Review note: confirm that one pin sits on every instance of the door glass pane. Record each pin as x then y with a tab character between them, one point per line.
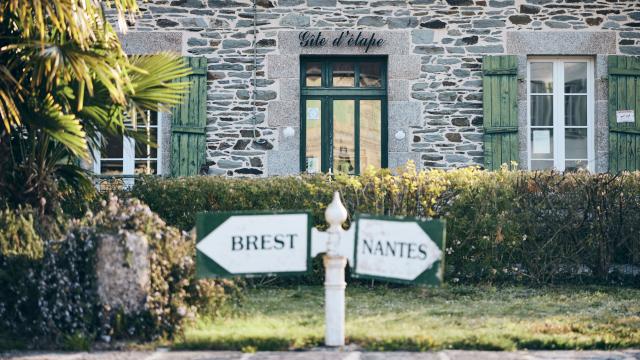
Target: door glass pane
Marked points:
343	74
343	136
541	77
370	134
575	110
575	78
313	128
542	110
112	146
370	75
575	143
542	143
313	75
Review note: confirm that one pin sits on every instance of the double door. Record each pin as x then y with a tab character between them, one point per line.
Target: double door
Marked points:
344	134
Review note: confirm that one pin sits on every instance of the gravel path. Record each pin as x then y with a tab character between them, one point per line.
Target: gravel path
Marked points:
330	355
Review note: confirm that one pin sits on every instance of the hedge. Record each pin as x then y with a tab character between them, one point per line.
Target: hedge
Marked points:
503	226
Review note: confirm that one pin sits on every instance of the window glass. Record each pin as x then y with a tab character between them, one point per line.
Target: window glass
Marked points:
343	136
123	155
370	74
541	77
313	74
150	133
541	164
575	142
370	133
575	78
146	154
574	165
147	167
575	110
559	118
111	167
541	110
152	117
541	143
313	136
343	74
112	146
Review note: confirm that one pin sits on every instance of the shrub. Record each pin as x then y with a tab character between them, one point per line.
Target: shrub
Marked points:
503	226
21	252
49	287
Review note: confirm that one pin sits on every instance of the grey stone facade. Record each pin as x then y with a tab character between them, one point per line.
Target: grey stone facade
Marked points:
434	48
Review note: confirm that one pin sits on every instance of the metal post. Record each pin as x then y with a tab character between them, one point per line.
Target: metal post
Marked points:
334	284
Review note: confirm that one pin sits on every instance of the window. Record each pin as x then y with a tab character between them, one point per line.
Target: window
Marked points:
343	114
560	114
123	157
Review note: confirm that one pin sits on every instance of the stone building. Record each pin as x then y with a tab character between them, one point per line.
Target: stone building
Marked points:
287	86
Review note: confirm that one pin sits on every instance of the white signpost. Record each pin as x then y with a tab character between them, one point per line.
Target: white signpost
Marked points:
391	249
231	244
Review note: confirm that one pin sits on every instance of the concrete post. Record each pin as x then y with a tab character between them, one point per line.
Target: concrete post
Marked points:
334	284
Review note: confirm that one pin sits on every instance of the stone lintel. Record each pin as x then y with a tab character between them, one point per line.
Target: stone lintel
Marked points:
151	42
561	42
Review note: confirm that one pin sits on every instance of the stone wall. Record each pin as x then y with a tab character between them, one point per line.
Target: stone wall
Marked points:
446	40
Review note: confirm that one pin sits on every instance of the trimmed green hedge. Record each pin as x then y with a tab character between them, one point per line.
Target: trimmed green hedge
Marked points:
504	226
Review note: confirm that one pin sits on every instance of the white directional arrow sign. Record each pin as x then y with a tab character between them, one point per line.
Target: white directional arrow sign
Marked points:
402	250
244	244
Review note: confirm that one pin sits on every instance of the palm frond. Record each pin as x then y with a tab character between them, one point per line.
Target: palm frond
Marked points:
77	18
10	95
153	80
61	126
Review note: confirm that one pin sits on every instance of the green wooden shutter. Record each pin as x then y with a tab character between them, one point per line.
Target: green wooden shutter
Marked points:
189	121
624	94
500	105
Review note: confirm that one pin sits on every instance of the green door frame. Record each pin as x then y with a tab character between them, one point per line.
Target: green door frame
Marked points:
326	94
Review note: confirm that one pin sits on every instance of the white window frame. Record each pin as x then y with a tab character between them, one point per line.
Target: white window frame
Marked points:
129	152
559	109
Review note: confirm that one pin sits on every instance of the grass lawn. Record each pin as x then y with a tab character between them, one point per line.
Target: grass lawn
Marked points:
410	318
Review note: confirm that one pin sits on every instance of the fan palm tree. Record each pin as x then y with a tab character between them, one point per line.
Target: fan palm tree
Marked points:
64	80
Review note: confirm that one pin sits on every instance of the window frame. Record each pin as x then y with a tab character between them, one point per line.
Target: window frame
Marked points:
326	93
558	116
129	153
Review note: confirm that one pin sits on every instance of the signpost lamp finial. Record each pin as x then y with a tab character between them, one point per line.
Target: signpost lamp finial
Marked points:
335	214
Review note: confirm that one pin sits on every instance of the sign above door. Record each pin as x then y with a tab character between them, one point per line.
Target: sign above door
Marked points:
343	39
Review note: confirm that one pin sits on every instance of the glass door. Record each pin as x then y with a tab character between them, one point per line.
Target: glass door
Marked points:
343	127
